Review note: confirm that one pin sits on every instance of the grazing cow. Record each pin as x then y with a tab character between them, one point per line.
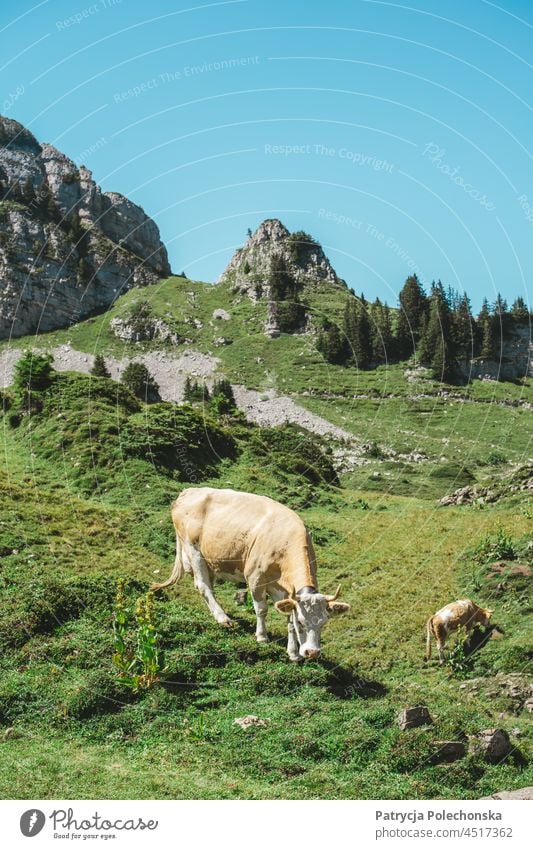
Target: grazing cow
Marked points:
244	537
459	614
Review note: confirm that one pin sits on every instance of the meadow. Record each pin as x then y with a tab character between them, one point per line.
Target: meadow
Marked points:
86	482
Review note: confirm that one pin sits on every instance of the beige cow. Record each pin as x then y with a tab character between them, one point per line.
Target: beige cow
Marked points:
459	614
244	537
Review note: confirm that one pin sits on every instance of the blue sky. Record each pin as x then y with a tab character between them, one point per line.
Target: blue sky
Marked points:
396	134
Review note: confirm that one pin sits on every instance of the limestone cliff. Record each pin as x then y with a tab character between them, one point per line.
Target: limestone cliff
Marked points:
67	249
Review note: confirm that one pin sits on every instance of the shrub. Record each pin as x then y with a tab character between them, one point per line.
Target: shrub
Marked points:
294	452
496	458
177	439
497	546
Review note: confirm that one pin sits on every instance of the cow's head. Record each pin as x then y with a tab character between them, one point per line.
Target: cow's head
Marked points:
309	611
485	614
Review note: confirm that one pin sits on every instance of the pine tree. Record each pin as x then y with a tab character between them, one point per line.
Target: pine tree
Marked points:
519	310
223	399
437	348
464	328
382	339
357	332
140	382
100	368
331	345
413	306
488	342
284	290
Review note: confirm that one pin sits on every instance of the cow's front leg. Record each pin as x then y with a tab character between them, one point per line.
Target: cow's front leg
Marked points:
293	649
260	607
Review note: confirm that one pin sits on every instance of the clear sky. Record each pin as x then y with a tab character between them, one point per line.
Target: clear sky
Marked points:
396	134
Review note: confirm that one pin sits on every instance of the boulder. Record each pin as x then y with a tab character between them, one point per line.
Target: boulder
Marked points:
221	315
413	717
493	743
521	793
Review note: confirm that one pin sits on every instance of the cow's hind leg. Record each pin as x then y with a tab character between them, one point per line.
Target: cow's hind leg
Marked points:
202	582
440	636
260	607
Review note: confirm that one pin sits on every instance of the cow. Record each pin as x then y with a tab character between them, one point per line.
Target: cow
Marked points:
459	614
244	537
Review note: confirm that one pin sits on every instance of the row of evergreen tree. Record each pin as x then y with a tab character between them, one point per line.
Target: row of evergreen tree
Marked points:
438	329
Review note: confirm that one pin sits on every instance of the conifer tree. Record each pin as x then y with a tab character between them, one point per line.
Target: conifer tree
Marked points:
100	368
464	329
331	345
437	348
413	306
519	310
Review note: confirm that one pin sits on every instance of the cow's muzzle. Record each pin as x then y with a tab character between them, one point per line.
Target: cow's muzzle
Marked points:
311	654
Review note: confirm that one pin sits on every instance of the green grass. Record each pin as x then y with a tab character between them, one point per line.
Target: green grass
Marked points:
85	488
331	730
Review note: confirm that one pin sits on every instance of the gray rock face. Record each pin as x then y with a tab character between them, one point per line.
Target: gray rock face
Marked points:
156	328
249	268
516	358
67	249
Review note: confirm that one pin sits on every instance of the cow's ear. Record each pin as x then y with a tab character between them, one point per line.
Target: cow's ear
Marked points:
286	606
336	607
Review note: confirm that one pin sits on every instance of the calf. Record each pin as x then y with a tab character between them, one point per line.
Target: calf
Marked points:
459	614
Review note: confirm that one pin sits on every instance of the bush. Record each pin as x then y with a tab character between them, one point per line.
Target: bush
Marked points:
294	452
177	439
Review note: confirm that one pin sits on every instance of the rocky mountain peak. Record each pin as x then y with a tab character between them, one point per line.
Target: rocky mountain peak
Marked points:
270	230
67	249
249	270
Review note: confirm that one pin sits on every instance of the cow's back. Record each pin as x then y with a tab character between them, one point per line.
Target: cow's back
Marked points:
234	530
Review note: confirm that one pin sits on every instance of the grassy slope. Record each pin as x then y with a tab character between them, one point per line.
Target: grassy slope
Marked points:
331	729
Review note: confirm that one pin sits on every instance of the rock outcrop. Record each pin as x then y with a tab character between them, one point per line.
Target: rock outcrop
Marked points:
306	263
516	359
67	249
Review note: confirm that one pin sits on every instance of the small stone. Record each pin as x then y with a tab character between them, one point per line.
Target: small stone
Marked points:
414	717
449	750
249	721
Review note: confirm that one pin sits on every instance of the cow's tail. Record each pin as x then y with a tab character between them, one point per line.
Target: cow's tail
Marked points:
177	571
429	631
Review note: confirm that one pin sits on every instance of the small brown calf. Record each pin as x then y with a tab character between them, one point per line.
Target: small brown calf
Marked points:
459	614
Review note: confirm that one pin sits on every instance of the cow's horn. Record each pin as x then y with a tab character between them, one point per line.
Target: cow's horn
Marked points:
292	593
335	595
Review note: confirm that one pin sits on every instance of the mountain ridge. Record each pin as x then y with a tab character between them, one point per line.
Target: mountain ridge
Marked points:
67	249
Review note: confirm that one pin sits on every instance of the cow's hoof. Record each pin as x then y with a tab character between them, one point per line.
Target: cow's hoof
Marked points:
262	639
227	623
295	658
